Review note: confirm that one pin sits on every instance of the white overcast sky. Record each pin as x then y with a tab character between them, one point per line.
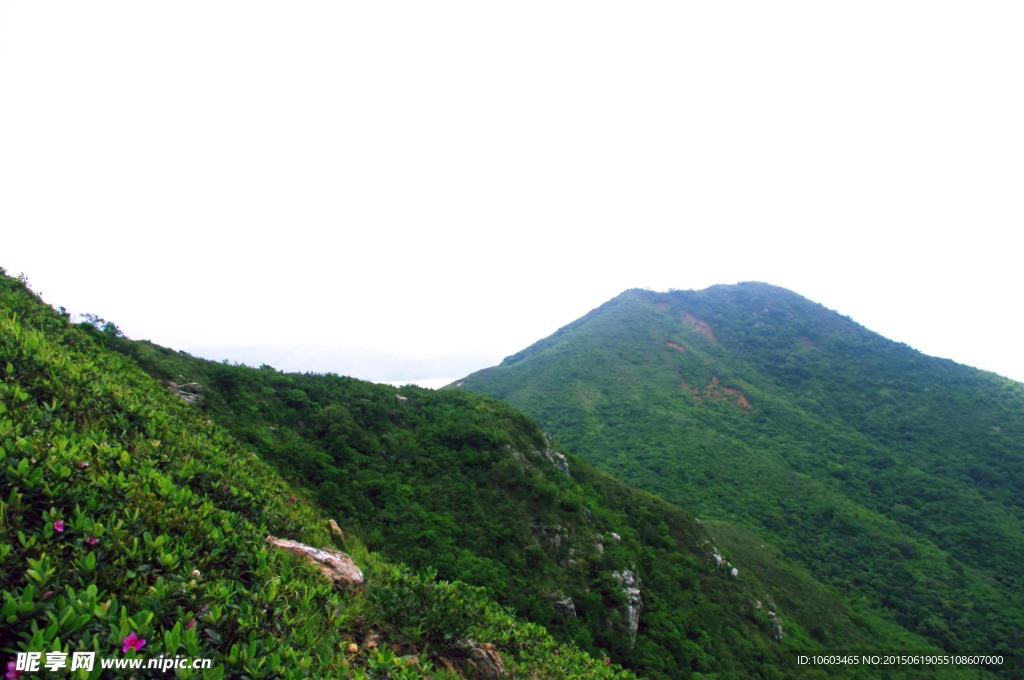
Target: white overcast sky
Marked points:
414	190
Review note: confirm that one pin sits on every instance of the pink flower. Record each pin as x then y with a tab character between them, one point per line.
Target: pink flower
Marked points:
190	625
133	641
12	670
292	499
92	540
58	526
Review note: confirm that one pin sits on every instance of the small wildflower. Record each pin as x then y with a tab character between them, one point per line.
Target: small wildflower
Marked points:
195	573
190	625
292	499
83	464
353	648
92	540
607	662
12	670
58	526
46	594
133	641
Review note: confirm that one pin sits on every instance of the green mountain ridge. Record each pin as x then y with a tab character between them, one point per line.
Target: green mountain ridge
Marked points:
456	506
892	477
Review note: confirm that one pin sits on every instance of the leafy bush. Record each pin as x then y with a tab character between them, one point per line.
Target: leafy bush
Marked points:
416	606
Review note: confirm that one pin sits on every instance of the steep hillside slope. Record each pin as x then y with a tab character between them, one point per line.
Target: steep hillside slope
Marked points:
133	527
891	476
463	484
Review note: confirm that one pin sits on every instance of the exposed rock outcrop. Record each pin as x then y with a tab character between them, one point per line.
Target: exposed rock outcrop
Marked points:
630	585
775	622
190	392
777	633
557	459
723	563
554	457
477	660
550	537
334	564
566	607
563	544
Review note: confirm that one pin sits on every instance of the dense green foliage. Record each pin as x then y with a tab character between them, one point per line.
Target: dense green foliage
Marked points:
463	484
889	476
126	514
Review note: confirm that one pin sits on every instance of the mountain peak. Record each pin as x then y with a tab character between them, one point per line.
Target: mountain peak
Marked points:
870	462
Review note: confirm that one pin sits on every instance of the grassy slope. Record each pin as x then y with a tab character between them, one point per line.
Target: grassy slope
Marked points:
123	510
892	477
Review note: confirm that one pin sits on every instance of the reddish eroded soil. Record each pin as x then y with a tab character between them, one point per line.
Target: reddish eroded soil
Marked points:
698	325
716	391
686	386
675	345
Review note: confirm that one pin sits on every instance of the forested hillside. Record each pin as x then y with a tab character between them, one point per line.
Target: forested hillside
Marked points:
134	527
893	477
463	484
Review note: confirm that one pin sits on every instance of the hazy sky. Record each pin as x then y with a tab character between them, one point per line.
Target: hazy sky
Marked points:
414	190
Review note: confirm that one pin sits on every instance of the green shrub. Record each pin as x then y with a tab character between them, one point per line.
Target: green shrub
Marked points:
416	606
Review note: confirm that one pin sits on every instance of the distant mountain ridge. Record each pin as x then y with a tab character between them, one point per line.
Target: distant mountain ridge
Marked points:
895	477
